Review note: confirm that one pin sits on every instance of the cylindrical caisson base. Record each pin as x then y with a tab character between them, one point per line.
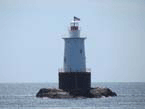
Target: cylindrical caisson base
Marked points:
75	81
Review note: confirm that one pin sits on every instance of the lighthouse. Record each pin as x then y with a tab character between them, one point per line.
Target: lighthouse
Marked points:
74	76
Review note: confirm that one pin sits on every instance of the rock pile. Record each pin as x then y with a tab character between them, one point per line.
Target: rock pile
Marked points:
59	93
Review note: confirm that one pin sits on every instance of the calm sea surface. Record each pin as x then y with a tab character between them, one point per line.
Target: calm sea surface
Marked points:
22	96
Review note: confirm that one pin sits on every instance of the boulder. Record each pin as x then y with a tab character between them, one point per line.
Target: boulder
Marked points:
53	93
99	92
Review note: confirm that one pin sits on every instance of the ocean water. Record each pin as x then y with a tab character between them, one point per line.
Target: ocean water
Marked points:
22	96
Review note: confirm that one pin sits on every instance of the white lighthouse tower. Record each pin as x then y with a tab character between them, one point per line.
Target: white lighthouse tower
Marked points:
74	75
74	52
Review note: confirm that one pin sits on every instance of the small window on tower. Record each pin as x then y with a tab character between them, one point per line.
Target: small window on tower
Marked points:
81	51
65	60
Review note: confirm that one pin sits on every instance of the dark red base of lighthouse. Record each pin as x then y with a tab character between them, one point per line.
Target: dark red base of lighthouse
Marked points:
75	82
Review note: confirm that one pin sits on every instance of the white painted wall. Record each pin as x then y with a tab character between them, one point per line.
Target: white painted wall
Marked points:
74	55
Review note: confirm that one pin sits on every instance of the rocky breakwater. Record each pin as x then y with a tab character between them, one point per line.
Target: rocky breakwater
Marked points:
59	93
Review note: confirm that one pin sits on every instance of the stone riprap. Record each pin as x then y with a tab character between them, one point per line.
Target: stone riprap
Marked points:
59	93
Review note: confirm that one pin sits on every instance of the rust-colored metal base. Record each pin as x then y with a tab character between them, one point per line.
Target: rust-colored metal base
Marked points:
71	81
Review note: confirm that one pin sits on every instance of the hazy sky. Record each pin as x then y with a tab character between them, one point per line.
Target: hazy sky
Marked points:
31	48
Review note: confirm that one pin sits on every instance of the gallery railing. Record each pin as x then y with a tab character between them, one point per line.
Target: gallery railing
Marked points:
70	70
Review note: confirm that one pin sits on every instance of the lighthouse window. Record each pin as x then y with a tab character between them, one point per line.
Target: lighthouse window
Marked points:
65	59
81	51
